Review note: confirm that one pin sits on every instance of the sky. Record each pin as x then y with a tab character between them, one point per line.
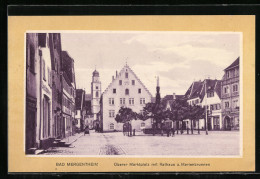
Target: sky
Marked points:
178	58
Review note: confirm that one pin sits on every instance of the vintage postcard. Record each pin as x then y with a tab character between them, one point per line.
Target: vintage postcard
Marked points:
126	94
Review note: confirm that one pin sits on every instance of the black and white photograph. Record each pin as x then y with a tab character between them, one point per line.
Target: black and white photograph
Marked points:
133	93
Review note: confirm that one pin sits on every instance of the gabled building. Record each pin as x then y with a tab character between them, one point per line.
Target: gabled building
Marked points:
127	90
230	96
206	93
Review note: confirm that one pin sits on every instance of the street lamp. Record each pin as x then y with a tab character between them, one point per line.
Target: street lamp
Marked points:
206	115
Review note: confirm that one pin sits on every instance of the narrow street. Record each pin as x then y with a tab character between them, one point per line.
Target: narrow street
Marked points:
216	143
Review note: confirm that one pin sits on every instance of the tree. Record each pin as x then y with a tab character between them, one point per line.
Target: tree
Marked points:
155	112
197	113
125	115
179	112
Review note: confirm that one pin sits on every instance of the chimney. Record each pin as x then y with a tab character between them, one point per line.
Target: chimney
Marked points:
116	74
173	96
113	78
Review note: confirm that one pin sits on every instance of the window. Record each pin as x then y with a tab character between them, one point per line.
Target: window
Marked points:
49	77
111	113
122	100
96	87
235	103
111	126
32	58
139	90
227	74
96	94
111	101
131	101
114	90
43	70
120	82
210	94
226	89
142	100
133	82
126	75
142	124
235	88
126	91
226	104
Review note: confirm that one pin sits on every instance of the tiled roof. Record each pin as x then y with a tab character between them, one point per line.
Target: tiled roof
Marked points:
79	98
235	63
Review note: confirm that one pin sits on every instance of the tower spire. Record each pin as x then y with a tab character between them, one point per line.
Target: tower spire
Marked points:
158	96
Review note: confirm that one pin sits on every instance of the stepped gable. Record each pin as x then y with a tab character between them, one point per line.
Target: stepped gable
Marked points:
126	66
235	63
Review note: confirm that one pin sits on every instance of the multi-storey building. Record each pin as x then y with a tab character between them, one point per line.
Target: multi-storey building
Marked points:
127	90
69	94
45	92
55	51
206	93
230	96
32	90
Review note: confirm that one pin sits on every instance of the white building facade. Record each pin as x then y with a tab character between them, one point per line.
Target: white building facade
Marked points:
125	90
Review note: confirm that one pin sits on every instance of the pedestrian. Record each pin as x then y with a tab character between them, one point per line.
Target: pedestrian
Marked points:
173	131
86	130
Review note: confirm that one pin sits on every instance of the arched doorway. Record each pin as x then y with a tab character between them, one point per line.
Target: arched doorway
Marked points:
227	123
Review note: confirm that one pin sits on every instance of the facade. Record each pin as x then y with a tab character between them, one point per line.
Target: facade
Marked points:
230	96
89	116
68	94
206	93
167	103
32	92
95	94
126	90
45	92
55	51
79	111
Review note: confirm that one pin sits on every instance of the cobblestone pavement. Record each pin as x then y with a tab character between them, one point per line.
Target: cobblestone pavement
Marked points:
215	144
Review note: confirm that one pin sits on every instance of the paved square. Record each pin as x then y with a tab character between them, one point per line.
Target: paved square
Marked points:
217	143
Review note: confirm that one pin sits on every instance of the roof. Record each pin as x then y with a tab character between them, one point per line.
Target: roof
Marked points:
88	97
121	71
68	65
197	88
95	73
79	99
169	98
234	64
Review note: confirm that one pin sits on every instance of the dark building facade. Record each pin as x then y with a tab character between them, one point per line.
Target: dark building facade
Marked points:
55	51
68	94
31	90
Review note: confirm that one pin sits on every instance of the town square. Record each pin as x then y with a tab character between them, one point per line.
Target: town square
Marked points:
133	94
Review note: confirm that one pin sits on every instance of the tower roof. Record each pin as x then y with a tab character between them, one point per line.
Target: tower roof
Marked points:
96	73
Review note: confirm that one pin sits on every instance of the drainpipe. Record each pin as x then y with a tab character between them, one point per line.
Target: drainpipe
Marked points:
40	54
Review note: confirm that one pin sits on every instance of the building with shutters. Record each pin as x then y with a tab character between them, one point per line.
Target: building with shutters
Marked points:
125	90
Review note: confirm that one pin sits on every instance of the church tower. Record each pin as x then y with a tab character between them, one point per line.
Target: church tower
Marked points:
95	94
